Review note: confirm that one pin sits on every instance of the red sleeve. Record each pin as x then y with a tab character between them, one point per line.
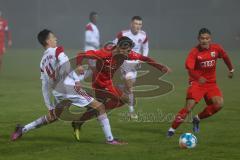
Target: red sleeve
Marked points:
225	57
91	54
89	27
136	56
190	64
59	50
119	35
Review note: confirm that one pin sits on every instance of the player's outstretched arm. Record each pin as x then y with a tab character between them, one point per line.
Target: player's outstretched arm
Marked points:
150	61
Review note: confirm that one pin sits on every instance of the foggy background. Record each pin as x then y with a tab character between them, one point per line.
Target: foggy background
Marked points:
170	24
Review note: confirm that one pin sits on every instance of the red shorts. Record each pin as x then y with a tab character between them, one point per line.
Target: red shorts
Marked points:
109	91
198	91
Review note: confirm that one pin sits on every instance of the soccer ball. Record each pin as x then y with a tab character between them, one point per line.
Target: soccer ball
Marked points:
187	140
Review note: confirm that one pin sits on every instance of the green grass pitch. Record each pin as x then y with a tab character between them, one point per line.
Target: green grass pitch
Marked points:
21	102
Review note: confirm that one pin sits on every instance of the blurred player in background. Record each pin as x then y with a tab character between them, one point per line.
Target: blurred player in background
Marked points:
129	67
201	65
55	67
92	41
4	30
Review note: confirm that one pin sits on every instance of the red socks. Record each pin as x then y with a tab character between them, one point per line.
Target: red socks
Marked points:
208	111
182	114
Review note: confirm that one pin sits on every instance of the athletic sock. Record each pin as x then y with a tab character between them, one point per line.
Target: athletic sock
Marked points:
209	111
35	124
182	114
131	102
103	119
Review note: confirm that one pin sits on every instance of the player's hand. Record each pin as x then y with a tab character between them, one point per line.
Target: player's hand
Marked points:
9	43
230	74
52	115
202	80
77	86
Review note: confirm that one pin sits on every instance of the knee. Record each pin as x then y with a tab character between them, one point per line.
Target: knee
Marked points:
219	103
189	105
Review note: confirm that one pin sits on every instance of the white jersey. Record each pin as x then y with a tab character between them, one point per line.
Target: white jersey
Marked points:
92	37
140	40
54	66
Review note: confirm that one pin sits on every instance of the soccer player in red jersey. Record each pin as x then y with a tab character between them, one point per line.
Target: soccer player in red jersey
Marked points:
201	65
108	62
3	29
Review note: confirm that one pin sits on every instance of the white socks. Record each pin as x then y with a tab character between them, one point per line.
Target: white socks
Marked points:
131	102
131	109
35	124
103	119
171	129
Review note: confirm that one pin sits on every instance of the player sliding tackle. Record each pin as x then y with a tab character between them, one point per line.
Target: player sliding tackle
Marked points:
201	65
108	62
65	87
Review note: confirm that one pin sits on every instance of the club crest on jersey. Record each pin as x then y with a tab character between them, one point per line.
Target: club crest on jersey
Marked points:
139	41
213	54
199	57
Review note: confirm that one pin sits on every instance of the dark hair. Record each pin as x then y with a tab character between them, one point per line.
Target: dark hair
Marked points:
43	36
91	15
137	18
125	42
203	31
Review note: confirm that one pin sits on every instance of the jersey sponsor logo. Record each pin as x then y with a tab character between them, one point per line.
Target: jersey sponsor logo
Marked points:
213	54
208	64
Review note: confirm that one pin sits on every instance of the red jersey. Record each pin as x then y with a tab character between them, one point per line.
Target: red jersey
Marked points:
3	29
202	62
107	64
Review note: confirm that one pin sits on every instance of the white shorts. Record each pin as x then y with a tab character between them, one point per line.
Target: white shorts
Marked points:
80	98
129	69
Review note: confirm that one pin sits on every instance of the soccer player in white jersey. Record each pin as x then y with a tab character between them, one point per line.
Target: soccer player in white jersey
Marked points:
92	41
55	68
129	67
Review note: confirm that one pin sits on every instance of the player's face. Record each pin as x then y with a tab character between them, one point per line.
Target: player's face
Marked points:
52	40
136	26
124	50
94	19
204	40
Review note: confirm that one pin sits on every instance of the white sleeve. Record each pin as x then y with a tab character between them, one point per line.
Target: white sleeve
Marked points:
145	49
65	67
91	40
46	90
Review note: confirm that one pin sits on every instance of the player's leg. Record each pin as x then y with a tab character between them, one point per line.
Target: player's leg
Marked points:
104	121
181	115
214	101
1	59
194	95
112	98
2	50
130	79
41	121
